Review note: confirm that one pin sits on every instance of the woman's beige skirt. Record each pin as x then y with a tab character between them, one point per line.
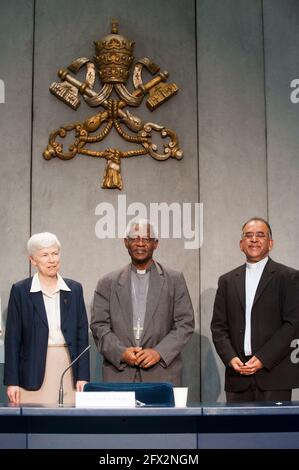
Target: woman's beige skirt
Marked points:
58	360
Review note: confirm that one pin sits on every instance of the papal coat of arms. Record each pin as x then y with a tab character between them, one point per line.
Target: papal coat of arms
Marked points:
112	62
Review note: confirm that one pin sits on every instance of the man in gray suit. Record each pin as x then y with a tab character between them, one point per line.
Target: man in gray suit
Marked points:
142	315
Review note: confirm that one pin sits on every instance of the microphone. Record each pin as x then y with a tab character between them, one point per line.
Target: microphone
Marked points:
60	399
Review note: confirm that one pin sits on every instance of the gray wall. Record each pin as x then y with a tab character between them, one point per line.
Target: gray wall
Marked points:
233	61
16	46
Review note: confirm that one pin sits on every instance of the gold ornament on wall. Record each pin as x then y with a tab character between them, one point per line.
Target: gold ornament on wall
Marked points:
112	61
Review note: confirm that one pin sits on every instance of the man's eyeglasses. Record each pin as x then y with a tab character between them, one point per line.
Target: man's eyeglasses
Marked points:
145	240
250	235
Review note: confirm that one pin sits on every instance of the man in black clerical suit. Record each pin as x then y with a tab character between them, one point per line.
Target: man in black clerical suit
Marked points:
255	320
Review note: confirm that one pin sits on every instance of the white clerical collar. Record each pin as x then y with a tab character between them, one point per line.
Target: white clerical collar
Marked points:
36	286
259	265
141	271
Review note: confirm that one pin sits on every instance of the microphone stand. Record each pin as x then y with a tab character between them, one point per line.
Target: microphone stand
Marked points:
60	399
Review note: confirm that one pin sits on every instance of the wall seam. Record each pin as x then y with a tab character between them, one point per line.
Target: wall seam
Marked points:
265	108
198	194
32	119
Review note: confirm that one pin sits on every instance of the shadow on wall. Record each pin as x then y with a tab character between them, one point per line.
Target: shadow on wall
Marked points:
95	362
191	368
210	377
211	384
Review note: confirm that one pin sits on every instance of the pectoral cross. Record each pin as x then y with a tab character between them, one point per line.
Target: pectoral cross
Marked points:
137	331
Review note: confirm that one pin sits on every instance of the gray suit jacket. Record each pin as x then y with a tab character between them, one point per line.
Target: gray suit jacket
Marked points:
168	324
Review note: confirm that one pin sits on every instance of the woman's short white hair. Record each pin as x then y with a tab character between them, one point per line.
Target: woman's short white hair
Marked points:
140	227
41	240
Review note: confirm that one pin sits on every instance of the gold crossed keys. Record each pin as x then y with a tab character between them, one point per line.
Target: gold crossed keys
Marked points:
112	61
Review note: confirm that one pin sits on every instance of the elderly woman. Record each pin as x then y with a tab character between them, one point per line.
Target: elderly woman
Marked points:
46	329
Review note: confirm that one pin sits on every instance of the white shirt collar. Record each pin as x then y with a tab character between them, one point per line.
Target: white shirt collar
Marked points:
36	287
259	265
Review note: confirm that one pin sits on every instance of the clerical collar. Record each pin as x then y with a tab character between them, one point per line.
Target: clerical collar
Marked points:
141	271
259	265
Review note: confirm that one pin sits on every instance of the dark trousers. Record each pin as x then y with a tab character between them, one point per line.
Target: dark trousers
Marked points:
253	393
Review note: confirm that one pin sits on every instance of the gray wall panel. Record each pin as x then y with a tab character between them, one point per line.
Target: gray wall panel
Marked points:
282	66
281	20
231	148
16	29
15	132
